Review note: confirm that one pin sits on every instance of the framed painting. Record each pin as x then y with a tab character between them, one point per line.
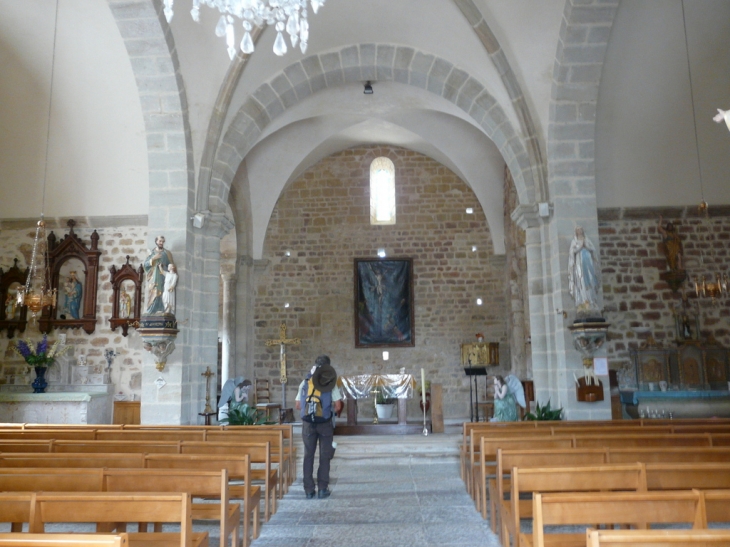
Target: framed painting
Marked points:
384	306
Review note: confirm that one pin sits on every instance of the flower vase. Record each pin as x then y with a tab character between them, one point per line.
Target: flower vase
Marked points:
40	384
428	402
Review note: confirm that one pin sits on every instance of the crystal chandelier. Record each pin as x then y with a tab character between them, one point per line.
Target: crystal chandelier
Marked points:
37	292
289	15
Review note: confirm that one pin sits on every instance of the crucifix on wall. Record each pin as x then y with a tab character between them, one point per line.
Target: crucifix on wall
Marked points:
283	341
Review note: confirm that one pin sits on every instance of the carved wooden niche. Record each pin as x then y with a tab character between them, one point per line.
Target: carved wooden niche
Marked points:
127	297
75	275
12	316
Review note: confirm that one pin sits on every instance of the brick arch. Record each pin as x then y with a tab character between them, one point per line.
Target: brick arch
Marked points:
357	63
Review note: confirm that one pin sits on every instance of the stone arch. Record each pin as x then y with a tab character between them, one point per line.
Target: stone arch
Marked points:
356	63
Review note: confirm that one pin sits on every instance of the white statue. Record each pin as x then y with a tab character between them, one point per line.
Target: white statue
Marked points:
584	272
168	294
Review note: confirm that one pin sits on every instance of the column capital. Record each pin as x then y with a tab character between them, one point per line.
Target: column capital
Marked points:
531	215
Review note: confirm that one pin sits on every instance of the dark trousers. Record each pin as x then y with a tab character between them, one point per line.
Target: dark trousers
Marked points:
311	433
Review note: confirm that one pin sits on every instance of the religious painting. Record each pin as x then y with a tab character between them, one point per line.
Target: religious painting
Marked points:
70	290
384	308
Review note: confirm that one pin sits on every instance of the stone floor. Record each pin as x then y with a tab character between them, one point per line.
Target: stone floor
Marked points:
380	502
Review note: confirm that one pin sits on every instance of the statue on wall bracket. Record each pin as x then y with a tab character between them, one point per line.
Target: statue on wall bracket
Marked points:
674	252
589	329
158	326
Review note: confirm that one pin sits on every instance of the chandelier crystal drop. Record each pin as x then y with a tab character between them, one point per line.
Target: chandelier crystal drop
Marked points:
37	292
285	15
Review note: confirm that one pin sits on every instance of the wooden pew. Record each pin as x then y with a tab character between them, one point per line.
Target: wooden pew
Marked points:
558	457
205	484
237	467
150	447
668	454
260	454
655	538
281	453
16	509
73	460
487	463
113	511
287	431
48	434
531	480
39	479
63	540
597	508
642	440
717	505
29	445
151	435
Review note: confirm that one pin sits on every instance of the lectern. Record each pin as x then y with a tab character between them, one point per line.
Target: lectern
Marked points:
474	373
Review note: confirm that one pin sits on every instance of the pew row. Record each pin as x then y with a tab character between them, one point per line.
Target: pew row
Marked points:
657	538
63	540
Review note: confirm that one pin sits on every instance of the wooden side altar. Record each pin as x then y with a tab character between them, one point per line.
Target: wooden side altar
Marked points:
361	386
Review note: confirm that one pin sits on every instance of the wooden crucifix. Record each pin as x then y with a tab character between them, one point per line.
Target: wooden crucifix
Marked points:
283	341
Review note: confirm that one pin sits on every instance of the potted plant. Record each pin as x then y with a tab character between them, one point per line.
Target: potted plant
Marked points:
243	414
545	413
383	405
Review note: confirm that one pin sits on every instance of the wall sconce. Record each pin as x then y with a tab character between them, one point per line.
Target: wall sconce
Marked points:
469	210
473	248
381	253
287	253
386	356
286	304
479	302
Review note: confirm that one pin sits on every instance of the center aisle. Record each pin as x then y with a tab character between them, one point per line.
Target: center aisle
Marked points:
384	499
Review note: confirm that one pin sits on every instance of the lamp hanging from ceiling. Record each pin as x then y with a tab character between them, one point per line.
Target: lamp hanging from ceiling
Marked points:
37	292
289	15
703	286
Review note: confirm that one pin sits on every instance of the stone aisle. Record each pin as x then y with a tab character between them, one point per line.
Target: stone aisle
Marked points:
383	502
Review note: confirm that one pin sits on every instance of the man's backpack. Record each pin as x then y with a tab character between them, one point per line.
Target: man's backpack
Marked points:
317	406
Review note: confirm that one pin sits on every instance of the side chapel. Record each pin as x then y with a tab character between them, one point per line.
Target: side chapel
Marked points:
507	126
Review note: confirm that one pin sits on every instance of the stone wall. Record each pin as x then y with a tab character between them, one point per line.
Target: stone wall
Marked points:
115	244
637	303
323	220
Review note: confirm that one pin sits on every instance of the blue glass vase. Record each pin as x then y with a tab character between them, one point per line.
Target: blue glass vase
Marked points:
40	384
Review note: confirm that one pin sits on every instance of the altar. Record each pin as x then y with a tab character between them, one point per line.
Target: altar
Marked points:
80	407
364	387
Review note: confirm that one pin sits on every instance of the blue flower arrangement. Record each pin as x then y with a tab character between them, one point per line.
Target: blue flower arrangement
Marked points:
39	355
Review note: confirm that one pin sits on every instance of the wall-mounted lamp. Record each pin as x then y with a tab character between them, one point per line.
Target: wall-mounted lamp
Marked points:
469	210
479	302
386	356
287	253
473	248
368	88
381	253
286	304
198	220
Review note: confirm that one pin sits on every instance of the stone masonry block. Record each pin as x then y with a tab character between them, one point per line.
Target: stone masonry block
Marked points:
139	28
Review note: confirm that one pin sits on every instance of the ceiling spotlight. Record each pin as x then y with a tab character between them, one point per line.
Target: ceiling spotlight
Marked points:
368	88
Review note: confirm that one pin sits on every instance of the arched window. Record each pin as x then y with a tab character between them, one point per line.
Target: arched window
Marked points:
382	191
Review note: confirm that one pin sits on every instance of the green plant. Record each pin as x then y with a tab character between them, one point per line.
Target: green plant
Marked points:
545	413
243	414
381	399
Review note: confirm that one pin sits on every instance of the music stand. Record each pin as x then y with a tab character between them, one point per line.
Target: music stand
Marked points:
474	372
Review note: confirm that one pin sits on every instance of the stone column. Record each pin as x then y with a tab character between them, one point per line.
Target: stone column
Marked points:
227	331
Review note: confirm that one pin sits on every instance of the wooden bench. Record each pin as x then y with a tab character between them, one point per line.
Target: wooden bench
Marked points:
668	454
261	468
531	480
648	538
63	540
111	512
237	467
130	446
16	509
636	509
73	459
29	445
196	483
507	459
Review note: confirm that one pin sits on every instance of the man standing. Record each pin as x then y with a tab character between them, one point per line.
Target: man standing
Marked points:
155	278
318	400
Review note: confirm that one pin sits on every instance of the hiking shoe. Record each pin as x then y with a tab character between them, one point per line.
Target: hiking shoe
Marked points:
324	493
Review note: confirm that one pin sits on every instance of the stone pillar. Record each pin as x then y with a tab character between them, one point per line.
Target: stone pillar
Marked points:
227	331
554	360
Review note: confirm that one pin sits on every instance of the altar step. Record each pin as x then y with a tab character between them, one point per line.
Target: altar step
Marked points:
396	449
